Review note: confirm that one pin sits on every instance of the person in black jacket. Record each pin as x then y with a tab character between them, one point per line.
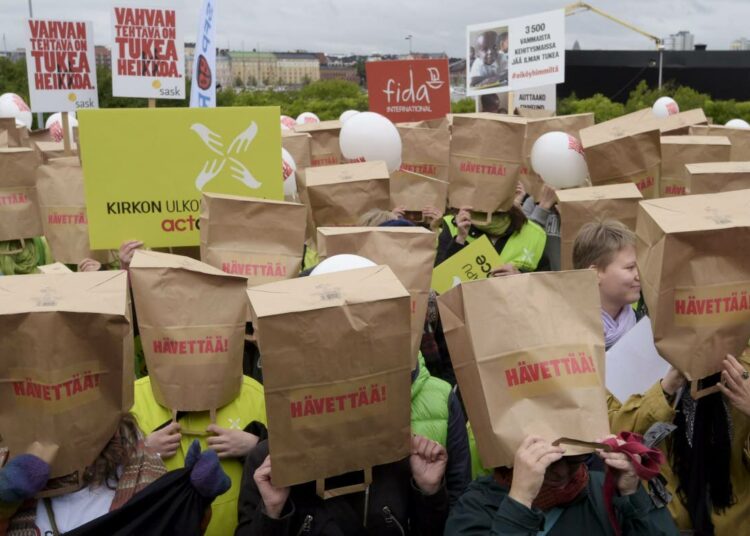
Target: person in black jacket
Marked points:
407	497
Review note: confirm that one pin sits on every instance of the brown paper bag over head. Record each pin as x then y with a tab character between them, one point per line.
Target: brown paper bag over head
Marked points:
298	145
19	202
692	254
625	149
63	208
10	135
191	318
579	206
408	251
715	177
542	373
486	154
740	139
324	142
66	373
535	128
676	151
336	371
415	192
258	239
340	195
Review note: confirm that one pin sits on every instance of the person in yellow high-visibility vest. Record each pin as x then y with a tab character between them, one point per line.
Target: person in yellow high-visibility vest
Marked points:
519	241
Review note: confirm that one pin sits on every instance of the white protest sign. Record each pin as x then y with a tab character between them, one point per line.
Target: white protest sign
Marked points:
148	53
61	65
538	98
514	54
633	364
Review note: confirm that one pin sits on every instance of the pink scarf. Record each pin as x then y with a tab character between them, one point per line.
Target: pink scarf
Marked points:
614	328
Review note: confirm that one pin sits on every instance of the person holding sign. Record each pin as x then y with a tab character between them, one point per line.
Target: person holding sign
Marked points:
519	242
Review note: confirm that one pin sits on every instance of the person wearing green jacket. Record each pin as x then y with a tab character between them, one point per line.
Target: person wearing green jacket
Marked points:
548	493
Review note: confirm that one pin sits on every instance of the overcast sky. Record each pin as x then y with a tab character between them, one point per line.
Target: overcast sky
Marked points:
367	26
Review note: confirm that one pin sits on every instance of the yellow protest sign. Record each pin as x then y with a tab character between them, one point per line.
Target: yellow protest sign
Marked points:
473	262
144	169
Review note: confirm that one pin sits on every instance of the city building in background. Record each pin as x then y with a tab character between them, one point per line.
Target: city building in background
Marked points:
740	44
682	40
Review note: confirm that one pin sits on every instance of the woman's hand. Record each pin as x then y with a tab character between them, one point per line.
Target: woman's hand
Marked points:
428	460
164	442
230	443
735	384
626	478
532	459
127	250
89	265
273	498
463	222
547	197
505	269
432	217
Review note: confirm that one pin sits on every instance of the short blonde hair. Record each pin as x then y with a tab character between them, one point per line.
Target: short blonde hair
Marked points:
597	243
374	217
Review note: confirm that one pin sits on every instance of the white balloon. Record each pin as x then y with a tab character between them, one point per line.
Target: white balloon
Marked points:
369	136
288	122
347	114
737	123
288	169
558	158
339	263
664	107
306	118
11	105
54	124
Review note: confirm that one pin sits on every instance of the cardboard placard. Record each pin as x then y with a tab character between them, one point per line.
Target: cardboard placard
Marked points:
473	262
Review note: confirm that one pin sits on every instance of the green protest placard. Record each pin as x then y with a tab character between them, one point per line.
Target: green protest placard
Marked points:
475	261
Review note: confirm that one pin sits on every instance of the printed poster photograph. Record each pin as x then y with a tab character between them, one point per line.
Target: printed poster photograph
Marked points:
61	65
148	53
514	54
145	169
409	90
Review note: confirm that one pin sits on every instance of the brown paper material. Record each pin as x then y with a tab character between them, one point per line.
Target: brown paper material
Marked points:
579	206
624	150
324	142
692	253
715	177
191	318
542	373
62	205
53	149
535	128
298	145
336	371
19	203
674	125
415	191
54	268
408	251
340	195
66	373
739	137
676	151
485	161
10	136
258	239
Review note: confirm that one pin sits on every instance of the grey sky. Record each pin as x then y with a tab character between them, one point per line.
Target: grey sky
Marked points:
367	26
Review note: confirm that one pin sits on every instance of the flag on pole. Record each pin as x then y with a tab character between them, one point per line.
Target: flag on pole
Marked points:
203	88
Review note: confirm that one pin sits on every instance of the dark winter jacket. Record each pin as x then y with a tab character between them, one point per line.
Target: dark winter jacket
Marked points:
393	506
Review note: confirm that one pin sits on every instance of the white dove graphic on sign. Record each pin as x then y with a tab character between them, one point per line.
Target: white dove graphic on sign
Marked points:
214	166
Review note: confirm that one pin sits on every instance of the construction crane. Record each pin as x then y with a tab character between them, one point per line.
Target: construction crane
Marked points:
579	7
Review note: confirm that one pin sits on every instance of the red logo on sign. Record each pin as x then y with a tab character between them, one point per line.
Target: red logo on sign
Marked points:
409	90
204	73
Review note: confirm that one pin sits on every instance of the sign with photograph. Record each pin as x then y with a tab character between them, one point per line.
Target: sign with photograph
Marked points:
516	53
409	90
